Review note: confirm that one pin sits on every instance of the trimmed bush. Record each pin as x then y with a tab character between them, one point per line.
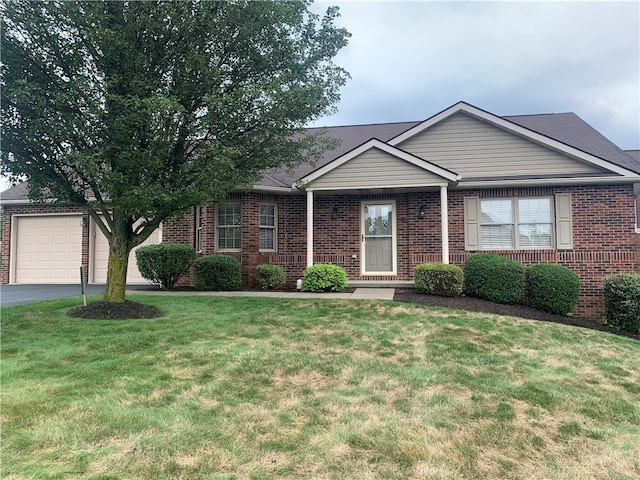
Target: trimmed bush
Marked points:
216	272
494	278
324	277
438	279
164	263
622	302
269	276
552	288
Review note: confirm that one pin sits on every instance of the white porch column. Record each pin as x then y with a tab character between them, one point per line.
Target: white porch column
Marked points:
309	228
444	221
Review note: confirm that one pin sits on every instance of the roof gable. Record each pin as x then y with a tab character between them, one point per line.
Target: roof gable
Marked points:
518	129
375	164
479	150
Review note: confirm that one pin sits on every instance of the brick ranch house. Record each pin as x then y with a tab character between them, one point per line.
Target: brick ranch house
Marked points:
534	188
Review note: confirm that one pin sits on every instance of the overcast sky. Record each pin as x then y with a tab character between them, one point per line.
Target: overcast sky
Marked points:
410	60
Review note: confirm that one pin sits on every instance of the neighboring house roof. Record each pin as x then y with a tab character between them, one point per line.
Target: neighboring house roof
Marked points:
635	159
16	193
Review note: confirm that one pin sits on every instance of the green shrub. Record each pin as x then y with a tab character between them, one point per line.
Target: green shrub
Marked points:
552	288
324	278
216	272
622	302
438	279
269	276
494	278
164	263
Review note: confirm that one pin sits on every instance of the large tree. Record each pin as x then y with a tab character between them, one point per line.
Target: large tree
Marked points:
138	111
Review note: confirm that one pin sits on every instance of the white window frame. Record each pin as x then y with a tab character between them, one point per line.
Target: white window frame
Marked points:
636	210
199	228
220	226
273	228
515	223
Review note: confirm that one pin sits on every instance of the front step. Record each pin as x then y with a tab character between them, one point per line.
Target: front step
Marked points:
380	284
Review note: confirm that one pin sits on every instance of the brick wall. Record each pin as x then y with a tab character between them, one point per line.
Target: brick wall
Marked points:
604	239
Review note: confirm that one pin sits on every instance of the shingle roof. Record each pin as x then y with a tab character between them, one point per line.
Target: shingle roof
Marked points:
567	128
349	136
635	158
17	192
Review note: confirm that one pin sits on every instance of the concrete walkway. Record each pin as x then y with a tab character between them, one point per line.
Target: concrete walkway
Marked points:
20	294
358	294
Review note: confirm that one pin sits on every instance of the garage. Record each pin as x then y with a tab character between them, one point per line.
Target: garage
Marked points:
48	249
100	256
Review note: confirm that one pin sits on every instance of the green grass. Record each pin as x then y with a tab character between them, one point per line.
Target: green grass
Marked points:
257	388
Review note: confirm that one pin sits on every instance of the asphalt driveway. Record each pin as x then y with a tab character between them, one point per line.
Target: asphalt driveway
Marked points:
19	294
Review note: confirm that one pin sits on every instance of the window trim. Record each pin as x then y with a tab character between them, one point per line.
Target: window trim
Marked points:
636	204
199	228
273	228
515	223
474	224
219	226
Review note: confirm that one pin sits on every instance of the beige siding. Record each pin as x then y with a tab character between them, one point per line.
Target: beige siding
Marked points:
375	168
473	148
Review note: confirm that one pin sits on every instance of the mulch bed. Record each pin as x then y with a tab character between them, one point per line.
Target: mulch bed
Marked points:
477	305
115	311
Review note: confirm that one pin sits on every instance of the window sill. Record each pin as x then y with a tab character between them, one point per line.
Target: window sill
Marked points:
532	249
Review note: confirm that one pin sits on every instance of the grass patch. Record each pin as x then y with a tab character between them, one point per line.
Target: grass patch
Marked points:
244	388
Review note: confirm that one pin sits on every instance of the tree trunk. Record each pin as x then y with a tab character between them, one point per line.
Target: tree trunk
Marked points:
116	276
119	249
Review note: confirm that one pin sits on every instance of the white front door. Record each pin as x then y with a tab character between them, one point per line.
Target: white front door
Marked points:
378	237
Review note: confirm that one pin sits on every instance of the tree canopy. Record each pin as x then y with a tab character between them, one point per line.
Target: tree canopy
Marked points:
140	110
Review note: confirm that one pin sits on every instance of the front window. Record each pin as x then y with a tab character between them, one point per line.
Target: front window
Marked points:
228	226
534	222
496	223
516	223
268	227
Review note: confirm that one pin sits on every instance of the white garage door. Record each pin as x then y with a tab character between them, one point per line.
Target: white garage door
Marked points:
48	249
101	257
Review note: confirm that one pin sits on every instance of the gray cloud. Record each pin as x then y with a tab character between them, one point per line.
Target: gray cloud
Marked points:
409	60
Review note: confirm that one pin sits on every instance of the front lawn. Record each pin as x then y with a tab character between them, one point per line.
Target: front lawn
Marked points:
259	388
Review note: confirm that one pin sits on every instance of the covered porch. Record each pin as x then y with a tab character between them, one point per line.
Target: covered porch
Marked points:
373	209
